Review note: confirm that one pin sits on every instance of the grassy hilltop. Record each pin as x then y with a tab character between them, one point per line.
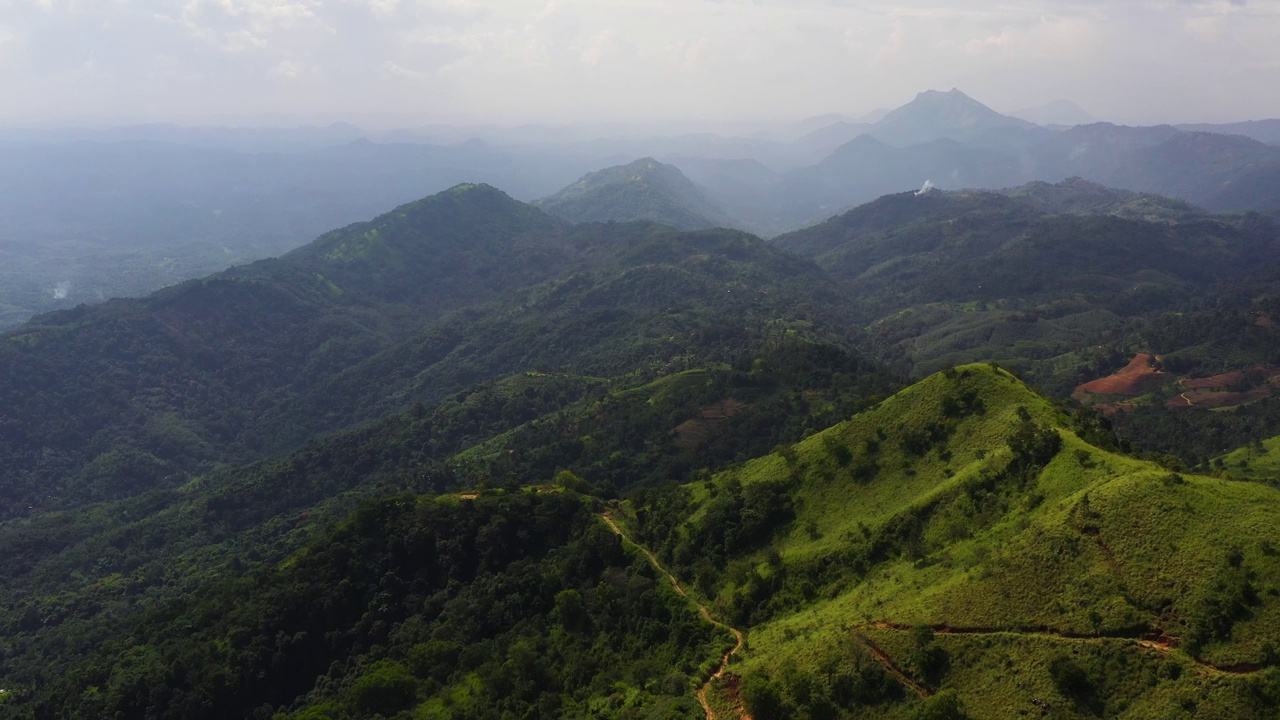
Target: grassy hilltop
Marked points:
965	530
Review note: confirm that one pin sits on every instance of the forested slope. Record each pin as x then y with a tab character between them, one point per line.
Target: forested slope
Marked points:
1066	284
101	402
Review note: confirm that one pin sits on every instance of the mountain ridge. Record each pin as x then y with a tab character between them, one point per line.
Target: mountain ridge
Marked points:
888	572
424	301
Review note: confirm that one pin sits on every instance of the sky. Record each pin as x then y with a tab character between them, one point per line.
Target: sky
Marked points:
561	61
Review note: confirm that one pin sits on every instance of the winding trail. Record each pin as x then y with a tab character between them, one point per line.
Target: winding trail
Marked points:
702	610
1154	640
903	677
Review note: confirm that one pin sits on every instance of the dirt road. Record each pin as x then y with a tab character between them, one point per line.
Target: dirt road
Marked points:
702	610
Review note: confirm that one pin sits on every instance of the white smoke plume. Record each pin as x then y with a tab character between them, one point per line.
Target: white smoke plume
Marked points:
61	289
928	185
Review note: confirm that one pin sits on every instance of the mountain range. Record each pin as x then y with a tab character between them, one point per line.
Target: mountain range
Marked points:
88	215
946	454
955	142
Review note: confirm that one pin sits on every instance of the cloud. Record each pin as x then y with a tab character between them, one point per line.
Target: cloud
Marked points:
1046	38
523	60
238	26
1205	28
243	41
395	70
285	70
687	55
600	47
892	49
168	69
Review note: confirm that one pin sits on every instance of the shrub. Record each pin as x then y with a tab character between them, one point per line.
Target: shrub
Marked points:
387	688
762	697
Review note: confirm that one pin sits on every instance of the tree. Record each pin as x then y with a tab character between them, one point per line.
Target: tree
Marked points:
762	698
386	688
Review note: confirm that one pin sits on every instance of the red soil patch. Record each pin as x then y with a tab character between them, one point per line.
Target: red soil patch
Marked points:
726	408
692	432
1228	389
1212	399
1237	378
1264	320
1139	377
731	690
1110	409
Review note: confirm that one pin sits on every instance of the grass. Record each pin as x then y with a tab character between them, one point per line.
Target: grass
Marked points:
1008	675
1254	462
1092	544
454	699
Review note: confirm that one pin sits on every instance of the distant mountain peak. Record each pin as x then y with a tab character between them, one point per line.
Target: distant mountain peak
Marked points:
643	189
649	165
952	106
936	115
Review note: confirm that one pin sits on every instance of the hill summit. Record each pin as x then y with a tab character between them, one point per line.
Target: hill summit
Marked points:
643	190
967	543
935	115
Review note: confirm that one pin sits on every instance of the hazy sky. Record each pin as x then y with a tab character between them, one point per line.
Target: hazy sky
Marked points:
512	61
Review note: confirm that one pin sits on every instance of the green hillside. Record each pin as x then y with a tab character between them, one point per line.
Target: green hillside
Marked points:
97	575
905	250
642	190
1065	284
964	528
1259	460
107	400
961	544
102	402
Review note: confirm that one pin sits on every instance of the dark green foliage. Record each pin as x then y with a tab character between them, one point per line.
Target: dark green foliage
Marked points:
368	321
762	698
1102	681
1225	601
1033	446
990	247
1075	683
691	420
406	598
849	683
930	661
201	372
839	452
945	705
433	659
385	688
740	519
